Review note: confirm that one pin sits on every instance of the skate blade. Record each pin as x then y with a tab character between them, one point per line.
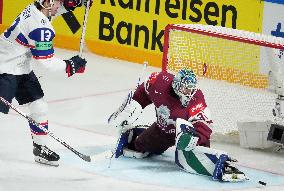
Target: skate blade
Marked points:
46	162
234	178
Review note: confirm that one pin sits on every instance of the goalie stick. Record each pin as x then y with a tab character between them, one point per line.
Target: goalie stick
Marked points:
129	96
121	108
82	156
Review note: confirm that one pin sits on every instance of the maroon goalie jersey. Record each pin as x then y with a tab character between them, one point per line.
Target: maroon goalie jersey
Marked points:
158	90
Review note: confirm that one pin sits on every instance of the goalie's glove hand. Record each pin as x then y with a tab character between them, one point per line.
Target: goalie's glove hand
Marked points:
128	115
186	136
76	64
70	5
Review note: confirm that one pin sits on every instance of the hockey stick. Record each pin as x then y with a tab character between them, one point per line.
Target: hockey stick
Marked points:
82	156
129	96
82	40
121	108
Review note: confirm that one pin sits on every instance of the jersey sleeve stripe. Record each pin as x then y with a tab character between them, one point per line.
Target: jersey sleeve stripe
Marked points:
43	57
22	38
40	53
22	43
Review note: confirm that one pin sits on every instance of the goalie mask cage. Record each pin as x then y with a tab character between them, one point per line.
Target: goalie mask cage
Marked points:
228	65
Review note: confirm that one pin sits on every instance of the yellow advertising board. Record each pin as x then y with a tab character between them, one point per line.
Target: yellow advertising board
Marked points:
133	29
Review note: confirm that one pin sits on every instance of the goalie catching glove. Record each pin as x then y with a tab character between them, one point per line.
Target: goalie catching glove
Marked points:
76	64
128	115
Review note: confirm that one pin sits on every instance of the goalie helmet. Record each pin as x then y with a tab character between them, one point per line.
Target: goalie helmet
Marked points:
184	85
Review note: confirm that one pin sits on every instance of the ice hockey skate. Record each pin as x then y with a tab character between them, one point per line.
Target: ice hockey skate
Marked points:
232	174
44	155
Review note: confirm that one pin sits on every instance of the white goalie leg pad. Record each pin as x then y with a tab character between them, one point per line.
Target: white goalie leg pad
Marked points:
200	160
127	134
185	135
129	114
134	154
38	112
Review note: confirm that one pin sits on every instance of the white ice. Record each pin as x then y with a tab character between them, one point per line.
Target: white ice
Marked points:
78	110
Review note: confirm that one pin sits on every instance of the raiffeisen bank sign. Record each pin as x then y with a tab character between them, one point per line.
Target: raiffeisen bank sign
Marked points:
140	23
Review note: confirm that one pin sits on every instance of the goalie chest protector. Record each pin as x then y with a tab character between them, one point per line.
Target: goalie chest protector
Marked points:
167	103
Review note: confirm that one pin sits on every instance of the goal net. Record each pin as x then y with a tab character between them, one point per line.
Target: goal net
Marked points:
233	69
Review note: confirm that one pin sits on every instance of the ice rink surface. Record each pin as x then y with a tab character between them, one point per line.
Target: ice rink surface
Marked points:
78	111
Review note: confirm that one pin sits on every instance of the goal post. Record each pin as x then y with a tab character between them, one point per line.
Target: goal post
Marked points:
232	67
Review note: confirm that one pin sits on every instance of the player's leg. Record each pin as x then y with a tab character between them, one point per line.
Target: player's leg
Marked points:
126	146
30	92
8	85
140	142
210	162
202	160
154	140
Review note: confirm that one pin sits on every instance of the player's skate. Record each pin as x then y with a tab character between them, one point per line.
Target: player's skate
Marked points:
224	171
232	174
44	155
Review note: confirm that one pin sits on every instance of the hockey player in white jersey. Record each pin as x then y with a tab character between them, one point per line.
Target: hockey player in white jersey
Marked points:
30	39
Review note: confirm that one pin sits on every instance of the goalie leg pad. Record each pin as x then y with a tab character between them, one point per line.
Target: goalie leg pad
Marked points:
186	141
126	139
134	154
219	167
194	162
209	162
200	160
186	138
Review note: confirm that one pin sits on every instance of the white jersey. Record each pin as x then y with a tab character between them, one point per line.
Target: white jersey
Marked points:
29	39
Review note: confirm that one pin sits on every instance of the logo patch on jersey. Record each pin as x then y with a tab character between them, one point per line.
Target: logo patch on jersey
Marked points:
43	21
196	109
43	45
163	113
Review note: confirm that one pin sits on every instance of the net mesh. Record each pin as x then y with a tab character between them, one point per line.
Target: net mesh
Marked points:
228	63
